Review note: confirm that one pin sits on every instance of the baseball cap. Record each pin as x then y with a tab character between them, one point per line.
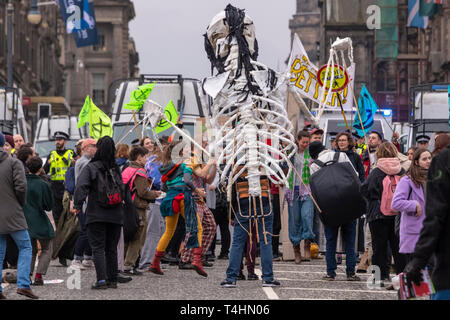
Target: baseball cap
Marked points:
316	131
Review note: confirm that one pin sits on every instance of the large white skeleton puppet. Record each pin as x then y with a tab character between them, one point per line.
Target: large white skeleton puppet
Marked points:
248	106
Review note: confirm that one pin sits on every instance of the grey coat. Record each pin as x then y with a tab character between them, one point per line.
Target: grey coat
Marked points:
13	191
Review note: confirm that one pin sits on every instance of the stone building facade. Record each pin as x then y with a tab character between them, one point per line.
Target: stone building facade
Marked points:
36	50
90	70
423	55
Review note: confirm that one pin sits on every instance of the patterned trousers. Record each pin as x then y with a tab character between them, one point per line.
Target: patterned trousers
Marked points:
209	233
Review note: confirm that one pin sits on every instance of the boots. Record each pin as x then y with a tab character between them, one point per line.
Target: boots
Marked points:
307	249
197	264
364	263
298	256
156	267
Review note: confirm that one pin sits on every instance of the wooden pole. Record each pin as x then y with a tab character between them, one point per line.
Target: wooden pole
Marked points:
136	126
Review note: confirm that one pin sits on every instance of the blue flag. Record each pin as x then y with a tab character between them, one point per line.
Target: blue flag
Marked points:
414	18
79	17
367	108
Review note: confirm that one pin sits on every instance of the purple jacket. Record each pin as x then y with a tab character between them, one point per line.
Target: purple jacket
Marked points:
410	225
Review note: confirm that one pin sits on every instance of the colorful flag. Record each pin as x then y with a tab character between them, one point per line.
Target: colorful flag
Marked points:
139	96
172	115
428	9
99	122
414	19
367	108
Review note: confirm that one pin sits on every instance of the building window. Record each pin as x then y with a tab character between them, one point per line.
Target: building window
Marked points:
98	88
101	45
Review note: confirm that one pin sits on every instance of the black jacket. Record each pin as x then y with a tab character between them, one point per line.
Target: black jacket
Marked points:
356	161
435	233
87	187
372	189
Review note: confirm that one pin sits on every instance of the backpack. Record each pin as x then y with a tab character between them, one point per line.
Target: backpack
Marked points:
389	185
336	189
131	217
109	188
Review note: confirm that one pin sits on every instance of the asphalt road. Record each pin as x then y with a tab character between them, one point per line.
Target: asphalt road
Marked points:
298	282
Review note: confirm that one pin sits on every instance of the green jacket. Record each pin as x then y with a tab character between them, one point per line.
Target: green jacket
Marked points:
39	199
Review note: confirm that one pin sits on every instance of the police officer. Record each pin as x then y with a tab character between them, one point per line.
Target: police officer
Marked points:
58	161
423	141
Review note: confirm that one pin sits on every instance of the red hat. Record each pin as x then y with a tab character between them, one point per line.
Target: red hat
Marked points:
316	130
10	140
87	142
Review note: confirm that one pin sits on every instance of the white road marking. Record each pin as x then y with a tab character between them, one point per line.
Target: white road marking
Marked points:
342	290
321	272
270	293
338	281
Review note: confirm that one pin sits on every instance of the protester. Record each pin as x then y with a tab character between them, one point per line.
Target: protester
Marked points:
24	154
13	190
440	143
103	221
156	226
58	161
318	152
177	181
382	227
410	152
211	198
82	258
316	135
202	175
147	143
368	157
18	141
9	144
39	199
122	156
409	200
221	216
394	140
135	175
300	204
275	192
434	239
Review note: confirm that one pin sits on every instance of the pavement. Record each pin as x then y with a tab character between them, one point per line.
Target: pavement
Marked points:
298	282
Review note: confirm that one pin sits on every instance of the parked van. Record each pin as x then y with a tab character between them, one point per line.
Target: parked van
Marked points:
186	94
12	119
46	128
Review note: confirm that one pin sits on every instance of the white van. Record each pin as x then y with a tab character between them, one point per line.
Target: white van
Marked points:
332	122
46	128
186	93
12	119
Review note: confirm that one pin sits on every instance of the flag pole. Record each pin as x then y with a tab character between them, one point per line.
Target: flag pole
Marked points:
136	126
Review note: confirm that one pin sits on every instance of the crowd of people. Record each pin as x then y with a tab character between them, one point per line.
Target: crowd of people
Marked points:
126	209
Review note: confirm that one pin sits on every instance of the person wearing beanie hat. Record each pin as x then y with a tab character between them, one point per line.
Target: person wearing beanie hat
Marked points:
8	144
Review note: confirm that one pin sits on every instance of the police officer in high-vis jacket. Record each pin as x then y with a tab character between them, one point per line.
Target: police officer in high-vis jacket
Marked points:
58	161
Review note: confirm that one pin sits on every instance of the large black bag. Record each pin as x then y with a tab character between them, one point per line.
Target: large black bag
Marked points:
130	217
336	189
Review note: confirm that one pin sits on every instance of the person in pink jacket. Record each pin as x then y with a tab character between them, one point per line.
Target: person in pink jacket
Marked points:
409	200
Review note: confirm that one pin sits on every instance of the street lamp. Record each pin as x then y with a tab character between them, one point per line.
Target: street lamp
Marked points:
34	16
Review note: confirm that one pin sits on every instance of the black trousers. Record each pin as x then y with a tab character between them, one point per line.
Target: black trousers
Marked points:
58	195
383	234
221	218
276	224
103	239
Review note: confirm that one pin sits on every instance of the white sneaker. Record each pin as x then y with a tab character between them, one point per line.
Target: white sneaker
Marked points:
88	263
76	264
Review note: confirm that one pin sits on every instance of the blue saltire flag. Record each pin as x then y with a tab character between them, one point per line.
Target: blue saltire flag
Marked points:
79	16
367	108
414	18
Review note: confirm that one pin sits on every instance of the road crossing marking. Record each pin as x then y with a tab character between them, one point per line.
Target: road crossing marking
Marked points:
342	290
270	293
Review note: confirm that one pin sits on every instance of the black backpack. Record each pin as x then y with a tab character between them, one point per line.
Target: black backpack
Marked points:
336	189
109	187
